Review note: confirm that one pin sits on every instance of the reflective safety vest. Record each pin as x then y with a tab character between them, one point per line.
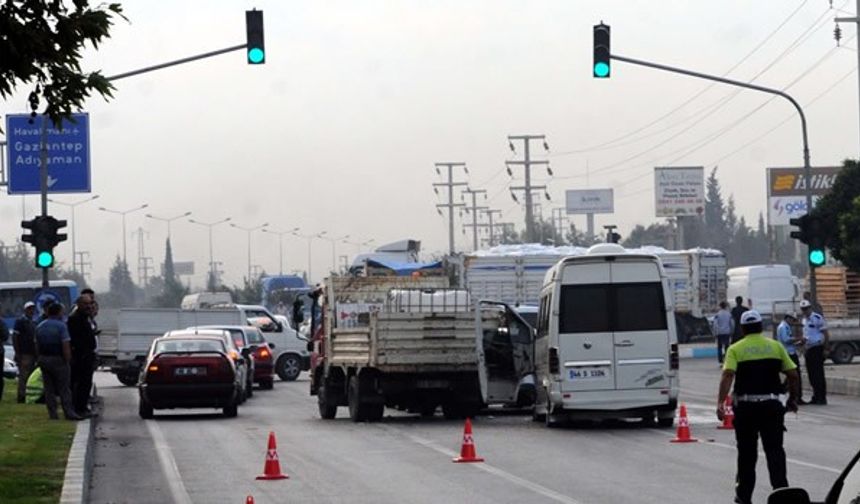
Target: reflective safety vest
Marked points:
35	388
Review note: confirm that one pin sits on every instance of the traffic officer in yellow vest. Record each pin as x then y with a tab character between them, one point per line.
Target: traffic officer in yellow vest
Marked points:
754	364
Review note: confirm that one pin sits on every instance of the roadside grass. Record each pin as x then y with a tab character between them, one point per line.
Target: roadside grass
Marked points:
33	451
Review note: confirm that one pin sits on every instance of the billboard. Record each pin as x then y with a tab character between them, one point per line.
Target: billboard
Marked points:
786	191
589	201
679	190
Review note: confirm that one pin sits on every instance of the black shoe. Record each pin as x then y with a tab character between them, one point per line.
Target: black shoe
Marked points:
74	417
801	402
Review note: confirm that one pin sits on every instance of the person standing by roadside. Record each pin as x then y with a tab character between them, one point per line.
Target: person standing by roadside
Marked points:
785	334
4	337
816	337
24	342
83	345
737	311
724	327
55	352
754	365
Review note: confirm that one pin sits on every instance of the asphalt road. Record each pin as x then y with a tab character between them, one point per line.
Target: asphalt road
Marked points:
195	456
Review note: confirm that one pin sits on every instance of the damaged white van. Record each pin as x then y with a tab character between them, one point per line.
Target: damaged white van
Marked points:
606	344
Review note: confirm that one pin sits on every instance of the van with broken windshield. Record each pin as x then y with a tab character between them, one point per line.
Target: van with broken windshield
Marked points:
606	344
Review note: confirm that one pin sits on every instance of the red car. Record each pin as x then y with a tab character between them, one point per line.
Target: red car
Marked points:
264	359
189	372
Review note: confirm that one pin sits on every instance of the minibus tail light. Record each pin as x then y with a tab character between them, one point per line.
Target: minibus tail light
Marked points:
673	356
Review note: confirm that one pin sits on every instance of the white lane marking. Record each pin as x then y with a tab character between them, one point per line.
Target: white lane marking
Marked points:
534	487
168	464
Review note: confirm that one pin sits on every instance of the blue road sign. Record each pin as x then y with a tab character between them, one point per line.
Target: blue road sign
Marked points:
68	154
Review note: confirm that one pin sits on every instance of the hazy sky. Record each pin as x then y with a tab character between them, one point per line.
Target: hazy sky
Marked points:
340	129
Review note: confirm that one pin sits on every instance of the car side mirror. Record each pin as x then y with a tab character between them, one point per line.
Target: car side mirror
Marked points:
246	351
310	346
788	496
272	346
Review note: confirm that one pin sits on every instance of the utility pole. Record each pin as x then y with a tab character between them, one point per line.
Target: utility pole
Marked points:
528	187
838	35
559	216
82	259
450	184
491	227
143	262
474	209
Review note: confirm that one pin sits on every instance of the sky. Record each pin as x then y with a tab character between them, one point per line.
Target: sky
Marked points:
339	131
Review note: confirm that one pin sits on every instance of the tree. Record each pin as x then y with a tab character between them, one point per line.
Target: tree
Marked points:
123	292
657	234
41	46
837	210
172	290
716	234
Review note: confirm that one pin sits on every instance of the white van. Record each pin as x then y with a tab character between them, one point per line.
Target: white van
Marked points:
765	285
606	343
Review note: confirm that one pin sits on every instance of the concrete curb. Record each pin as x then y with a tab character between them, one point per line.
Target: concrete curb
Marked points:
79	466
841	385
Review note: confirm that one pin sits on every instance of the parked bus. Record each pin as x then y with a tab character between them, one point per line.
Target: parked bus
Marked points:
13	295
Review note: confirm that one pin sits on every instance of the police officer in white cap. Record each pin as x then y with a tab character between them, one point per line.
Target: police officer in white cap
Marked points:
816	337
754	364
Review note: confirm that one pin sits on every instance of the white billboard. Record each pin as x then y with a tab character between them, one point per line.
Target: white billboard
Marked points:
679	190
589	201
782	208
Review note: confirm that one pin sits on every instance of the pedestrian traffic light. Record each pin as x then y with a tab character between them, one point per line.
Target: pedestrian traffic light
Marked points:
256	49
44	237
601	51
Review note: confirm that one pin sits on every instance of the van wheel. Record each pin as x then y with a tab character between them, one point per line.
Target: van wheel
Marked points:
288	367
665	422
267	384
127	378
427	410
231	411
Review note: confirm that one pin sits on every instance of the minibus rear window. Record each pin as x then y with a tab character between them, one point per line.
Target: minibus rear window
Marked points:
584	309
639	307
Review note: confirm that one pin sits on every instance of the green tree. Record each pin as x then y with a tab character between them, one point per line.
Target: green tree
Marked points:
172	290
716	233
251	292
41	46
658	234
123	292
837	211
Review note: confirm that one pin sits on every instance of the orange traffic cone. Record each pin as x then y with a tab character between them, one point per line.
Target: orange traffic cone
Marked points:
467	451
728	415
272	469
683	434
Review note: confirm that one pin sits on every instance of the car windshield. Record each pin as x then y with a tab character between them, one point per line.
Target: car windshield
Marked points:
189	345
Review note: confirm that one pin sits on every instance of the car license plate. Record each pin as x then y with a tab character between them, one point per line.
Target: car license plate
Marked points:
190	371
587	373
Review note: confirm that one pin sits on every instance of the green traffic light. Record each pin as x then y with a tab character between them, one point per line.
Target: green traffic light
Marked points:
816	257
45	259
601	69
256	55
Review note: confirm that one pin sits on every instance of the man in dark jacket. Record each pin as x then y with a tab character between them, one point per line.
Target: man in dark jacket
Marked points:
737	311
83	353
24	341
4	337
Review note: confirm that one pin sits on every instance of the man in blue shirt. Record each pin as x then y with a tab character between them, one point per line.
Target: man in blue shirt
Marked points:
724	327
55	352
785	334
816	337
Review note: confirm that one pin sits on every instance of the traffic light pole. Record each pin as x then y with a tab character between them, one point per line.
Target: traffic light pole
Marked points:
807	169
43	183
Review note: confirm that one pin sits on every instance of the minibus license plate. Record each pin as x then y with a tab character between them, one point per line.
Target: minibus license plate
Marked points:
586	373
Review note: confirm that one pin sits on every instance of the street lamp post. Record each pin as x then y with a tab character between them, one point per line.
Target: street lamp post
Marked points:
72	206
168	220
280	246
249	230
310	238
123	213
212	270
333	250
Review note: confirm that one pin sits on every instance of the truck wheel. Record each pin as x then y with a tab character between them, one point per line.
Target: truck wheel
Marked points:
328	410
127	378
374	412
427	410
231	411
843	353
357	412
288	367
267	383
452	411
